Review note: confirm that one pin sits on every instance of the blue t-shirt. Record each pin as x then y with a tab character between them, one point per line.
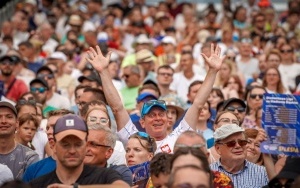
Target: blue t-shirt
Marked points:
39	169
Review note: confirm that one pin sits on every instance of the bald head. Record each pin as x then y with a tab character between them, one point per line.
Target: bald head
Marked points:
191	139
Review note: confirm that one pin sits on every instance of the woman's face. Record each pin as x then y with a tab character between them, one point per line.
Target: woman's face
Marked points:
98	117
187	159
136	153
253	150
232	84
255	98
172	116
225	71
68	67
205	113
226	118
214	99
272	77
26	131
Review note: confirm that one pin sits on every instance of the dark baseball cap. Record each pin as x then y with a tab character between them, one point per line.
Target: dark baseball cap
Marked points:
46	68
41	81
8	105
70	124
232	100
91	77
145	95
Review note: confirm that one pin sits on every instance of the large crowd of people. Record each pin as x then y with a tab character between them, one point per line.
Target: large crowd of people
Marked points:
91	92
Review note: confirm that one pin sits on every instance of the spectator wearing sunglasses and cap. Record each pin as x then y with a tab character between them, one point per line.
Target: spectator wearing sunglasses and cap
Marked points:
10	86
53	98
236	106
154	112
230	144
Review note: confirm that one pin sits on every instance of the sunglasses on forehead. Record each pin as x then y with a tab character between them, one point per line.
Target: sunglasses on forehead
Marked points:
146	136
24	101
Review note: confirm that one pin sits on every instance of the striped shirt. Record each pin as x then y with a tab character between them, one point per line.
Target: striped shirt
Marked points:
251	176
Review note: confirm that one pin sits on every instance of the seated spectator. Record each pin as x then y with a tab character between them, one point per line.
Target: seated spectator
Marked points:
230	143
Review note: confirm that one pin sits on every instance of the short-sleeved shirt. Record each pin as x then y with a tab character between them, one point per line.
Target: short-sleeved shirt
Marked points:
251	176
15	89
166	145
19	159
5	174
90	175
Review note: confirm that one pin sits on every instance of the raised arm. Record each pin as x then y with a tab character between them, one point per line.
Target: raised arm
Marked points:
100	64
214	62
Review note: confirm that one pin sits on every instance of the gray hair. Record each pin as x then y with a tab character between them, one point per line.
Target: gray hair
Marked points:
110	137
134	69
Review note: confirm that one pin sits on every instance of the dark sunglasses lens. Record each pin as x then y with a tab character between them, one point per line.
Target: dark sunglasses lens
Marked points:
242	142
241	109
231	144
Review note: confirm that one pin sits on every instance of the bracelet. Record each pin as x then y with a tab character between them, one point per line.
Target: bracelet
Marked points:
75	185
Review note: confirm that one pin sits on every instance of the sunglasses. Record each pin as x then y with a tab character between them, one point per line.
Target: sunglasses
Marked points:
101	120
39	89
232	109
95	145
232	143
254	96
48	76
227	120
286	51
24	101
126	76
7	62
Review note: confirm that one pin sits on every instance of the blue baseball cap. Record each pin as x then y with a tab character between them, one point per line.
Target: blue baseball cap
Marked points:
145	95
152	103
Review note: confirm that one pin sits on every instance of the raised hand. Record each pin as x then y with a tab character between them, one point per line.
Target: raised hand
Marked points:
96	58
214	61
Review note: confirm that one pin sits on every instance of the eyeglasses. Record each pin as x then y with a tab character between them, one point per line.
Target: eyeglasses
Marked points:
232	143
286	51
254	96
227	120
232	109
39	89
101	120
24	101
95	145
165	74
48	76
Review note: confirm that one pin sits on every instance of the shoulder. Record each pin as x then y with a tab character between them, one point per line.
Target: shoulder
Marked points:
255	167
45	180
23	149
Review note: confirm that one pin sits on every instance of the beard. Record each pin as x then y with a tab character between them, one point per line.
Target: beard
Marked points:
6	73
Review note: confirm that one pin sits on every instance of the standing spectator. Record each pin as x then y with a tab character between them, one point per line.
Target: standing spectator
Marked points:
288	68
236	106
132	78
164	79
246	64
16	156
272	81
169	47
183	79
13	88
45	32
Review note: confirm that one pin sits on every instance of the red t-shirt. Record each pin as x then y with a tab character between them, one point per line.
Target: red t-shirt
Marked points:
17	89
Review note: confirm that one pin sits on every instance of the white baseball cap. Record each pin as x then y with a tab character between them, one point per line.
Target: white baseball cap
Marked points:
226	130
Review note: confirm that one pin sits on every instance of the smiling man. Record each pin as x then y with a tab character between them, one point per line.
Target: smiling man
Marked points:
230	144
154	112
70	141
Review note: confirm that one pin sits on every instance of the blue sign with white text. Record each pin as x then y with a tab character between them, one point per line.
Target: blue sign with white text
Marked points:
281	121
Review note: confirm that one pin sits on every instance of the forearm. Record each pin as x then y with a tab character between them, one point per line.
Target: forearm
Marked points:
270	167
114	100
192	114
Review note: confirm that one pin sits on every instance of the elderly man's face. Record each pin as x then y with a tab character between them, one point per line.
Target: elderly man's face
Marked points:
236	152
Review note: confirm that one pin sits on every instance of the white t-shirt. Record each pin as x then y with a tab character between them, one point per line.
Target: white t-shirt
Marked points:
166	145
59	102
39	142
247	68
118	156
288	74
181	84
